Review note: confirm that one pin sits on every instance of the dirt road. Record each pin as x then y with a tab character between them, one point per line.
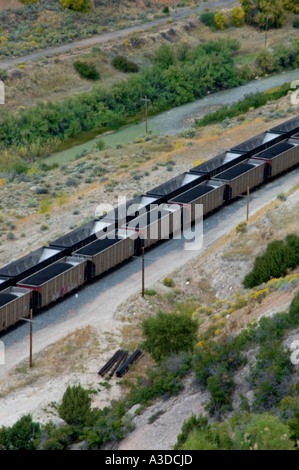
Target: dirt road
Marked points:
99	39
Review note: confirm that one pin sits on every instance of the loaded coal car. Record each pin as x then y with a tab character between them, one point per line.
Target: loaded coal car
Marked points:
150	227
210	194
249	173
55	281
5	282
280	157
31	263
14	305
82	236
104	254
259	143
219	163
177	185
287	128
124	213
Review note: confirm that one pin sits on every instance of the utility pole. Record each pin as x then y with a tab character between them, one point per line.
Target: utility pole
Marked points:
30	358
142	293
267	19
30	320
247	217
146	100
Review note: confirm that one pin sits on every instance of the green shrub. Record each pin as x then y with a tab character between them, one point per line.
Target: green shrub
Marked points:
270	378
168	282
150	292
75	405
220	20
23	435
278	258
254	100
76	5
100	144
86	70
207	18
124	65
168	333
282	196
241	432
264	61
294	309
296	24
237	16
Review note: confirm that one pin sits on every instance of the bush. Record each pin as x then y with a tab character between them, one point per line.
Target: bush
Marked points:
220	20
23	435
296	24
86	70
75	405
254	100
263	13
294	309
264	61
237	17
188	133
168	333
76	5
241	432
168	282
278	258
271	376
124	65
100	144
208	19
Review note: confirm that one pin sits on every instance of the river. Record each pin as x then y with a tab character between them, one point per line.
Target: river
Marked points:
177	119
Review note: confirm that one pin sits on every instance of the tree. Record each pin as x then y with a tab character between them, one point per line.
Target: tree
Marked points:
168	333
76	5
264	13
294	309
266	432
237	16
264	61
220	20
75	405
291	5
23	435
164	57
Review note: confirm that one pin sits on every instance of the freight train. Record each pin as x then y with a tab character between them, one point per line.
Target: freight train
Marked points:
40	278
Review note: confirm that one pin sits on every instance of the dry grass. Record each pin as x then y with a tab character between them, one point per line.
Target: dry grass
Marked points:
64	357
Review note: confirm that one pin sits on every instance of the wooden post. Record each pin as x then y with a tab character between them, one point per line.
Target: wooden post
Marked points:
266	37
247	217
142	293
30	356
